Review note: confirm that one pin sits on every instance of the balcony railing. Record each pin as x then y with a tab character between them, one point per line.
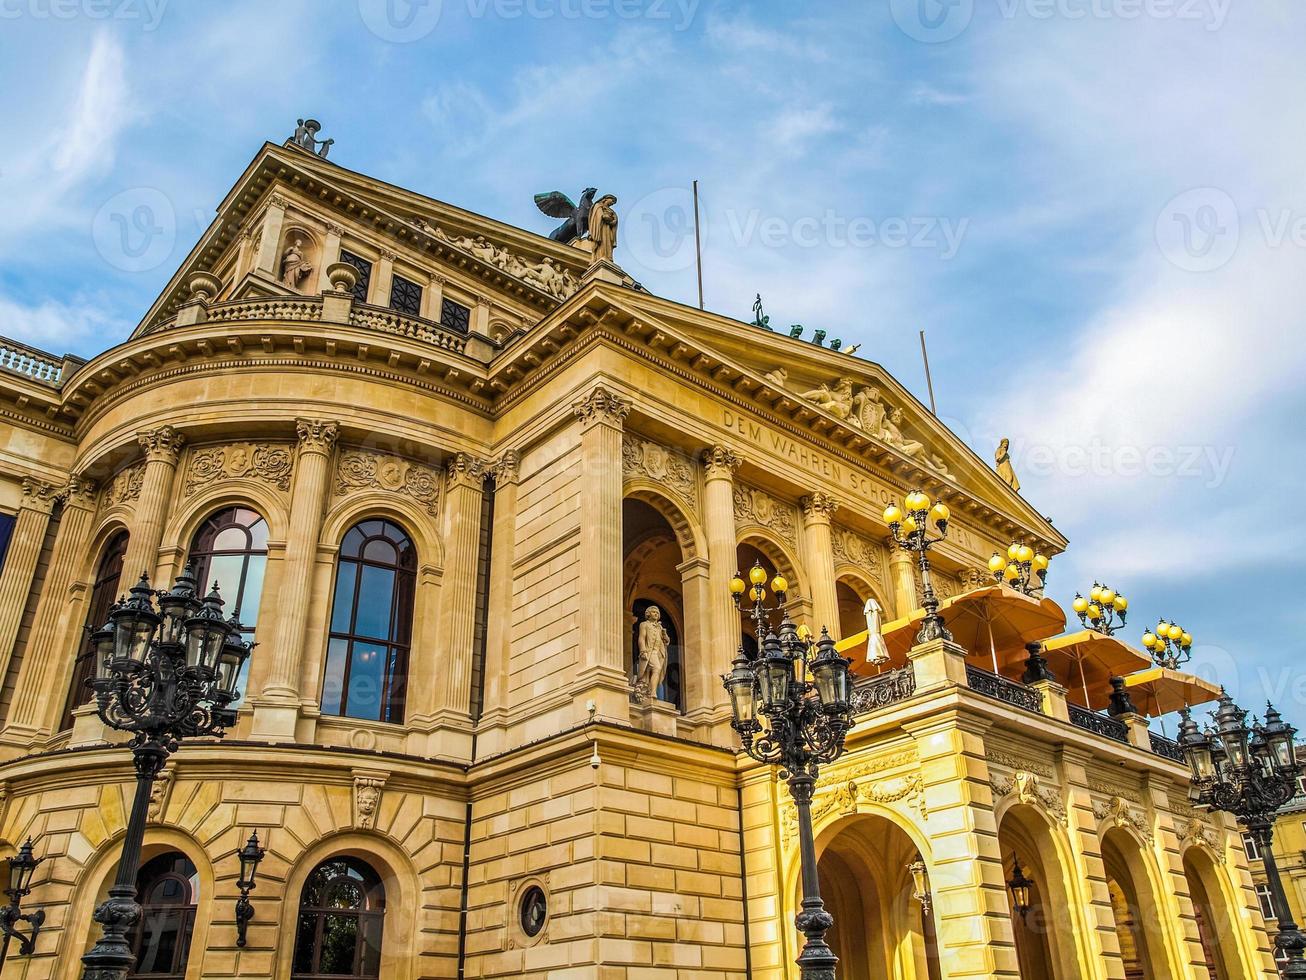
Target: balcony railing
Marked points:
31	363
1091	721
884	689
1166	747
1004	690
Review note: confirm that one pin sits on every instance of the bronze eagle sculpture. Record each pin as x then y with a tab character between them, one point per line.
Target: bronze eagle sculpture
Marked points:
576	217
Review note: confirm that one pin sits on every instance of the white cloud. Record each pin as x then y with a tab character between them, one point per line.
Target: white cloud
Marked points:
58	328
100	112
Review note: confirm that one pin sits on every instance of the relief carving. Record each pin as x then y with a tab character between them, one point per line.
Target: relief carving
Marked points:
602	405
754	506
39	495
1025	787
159	793
849	793
360	470
1122	815
852	549
126	485
272	464
543	275
367	797
640	457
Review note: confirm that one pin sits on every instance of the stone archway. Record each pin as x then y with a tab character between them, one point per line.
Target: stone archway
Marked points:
652	576
754	549
1139	920
1217	920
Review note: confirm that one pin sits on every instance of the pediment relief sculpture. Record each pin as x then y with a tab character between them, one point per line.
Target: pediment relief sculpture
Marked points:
544	275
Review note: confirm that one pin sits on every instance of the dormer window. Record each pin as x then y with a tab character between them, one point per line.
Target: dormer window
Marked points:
455	316
405	296
364	268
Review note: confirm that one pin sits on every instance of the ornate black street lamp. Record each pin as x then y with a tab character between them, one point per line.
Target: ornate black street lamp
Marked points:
909	526
1019	886
792	709
1104	611
1250	773
18	886
1023	569
250	856
1169	644
164	672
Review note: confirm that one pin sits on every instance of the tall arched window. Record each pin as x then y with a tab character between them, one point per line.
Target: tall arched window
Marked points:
108	576
168	886
371	624
231	549
341	911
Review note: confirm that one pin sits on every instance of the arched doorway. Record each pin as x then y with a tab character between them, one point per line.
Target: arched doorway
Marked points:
852	616
1215	925
881	928
1138	921
168	886
341	921
1045	933
652	577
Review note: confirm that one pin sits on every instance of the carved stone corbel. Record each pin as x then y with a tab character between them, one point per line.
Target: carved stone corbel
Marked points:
368	784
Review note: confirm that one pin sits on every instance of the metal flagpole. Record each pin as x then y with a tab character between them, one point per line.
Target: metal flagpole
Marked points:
698	248
925	355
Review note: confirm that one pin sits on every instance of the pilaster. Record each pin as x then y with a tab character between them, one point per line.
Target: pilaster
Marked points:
506	474
1095	934
382	278
330	255
268	257
433	298
818	559
162	448
277	707
20	561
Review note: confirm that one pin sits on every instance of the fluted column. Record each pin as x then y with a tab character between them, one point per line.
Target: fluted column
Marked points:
603	677
268	257
330	255
902	570
452	684
20	561
277	708
719	465
162	447
498	627
42	681
818	559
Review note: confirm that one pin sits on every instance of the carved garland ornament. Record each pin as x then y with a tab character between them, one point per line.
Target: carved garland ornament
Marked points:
359	470
640	457
847	795
270	463
754	506
1024	786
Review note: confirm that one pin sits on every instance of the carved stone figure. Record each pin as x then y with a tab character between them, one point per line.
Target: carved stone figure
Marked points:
838	401
294	265
653	644
306	136
576	216
869	410
543	275
777	377
1002	461
876	652
891	432
603	227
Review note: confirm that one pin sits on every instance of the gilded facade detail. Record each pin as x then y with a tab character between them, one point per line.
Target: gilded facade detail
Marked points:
270	463
359	469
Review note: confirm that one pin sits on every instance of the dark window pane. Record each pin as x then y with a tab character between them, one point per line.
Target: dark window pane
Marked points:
104	593
405	296
455	316
371	959
305	943
364	268
339	945
340	922
161	937
366	674
333	681
342	609
375	603
7	522
379	549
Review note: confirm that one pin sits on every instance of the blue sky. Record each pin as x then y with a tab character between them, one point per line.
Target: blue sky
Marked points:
1096	209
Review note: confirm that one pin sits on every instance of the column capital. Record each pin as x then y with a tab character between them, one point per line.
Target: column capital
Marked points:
278	201
163	444
720	462
506	470
334	229
463	470
38	495
818	507
602	406
80	492
389	256
316	435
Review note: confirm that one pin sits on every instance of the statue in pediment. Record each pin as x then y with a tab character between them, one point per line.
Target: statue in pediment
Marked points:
576	217
891	432
869	410
838	401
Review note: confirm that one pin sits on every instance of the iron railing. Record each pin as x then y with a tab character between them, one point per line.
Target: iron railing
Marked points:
1004	690
884	689
1091	721
1166	747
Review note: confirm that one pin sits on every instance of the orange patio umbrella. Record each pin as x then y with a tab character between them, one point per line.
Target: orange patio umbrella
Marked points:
1160	690
993	622
1092	658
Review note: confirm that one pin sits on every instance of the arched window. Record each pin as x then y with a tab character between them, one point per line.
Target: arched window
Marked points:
341	911
371	624
104	592
231	549
168	886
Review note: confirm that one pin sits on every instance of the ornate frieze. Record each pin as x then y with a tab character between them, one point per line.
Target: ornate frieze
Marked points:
666	467
39	495
720	462
846	797
753	506
164	443
602	405
269	463
126	485
998	757
362	470
544	275
852	549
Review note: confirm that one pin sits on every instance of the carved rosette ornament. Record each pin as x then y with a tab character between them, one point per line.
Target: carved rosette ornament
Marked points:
602	406
360	470
39	495
720	463
506	470
663	466
270	463
163	444
367	797
753	506
463	470
316	435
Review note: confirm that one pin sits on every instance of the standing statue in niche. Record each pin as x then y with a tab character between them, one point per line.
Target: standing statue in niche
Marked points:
603	227
577	216
1002	462
654	642
294	266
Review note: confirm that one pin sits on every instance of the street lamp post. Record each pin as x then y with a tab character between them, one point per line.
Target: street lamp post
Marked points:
165	672
1104	611
791	707
1169	644
909	525
18	886
1023	569
1249	772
